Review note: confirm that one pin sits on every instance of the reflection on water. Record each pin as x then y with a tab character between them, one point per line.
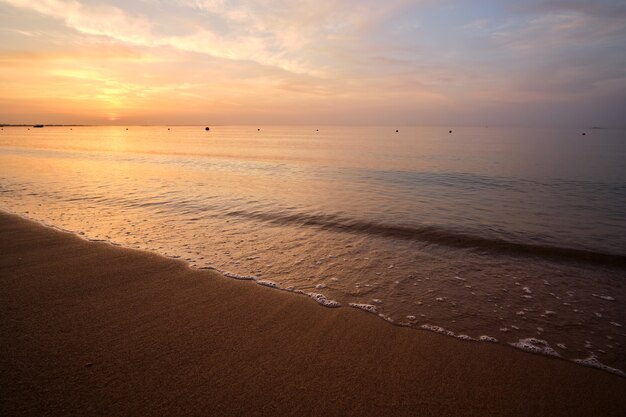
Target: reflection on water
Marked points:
509	233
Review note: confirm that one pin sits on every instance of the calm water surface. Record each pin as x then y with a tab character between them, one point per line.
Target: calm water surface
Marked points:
514	234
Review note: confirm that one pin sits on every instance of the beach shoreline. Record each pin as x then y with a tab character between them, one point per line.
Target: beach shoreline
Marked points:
89	328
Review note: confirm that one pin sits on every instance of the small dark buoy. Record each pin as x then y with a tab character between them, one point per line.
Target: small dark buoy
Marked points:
396	130
168	128
258	130
207	129
449	131
584	133
126	128
317	130
88	364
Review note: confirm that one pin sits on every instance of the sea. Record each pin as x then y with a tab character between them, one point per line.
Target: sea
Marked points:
515	236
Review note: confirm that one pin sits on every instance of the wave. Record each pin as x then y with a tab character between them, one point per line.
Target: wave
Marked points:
436	235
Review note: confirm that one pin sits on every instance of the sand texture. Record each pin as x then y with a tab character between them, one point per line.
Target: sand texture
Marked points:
91	329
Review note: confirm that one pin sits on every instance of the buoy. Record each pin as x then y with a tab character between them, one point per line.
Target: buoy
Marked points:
258	130
584	133
207	129
396	130
317	130
168	128
449	131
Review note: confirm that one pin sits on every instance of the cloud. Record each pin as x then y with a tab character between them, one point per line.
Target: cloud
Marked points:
296	37
114	23
599	8
281	55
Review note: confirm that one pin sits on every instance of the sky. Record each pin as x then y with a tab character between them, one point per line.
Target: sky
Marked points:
369	62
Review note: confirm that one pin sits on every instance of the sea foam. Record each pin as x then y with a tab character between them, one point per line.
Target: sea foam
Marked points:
488	339
593	362
534	345
267	283
241	277
367	307
321	299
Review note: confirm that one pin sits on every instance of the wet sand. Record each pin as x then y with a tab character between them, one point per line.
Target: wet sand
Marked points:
92	329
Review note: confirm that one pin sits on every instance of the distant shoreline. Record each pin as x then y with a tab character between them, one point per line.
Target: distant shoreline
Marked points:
35	124
313	125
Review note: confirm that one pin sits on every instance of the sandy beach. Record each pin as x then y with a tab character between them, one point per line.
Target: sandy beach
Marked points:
93	329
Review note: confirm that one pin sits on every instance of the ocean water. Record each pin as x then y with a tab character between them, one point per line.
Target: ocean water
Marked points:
514	235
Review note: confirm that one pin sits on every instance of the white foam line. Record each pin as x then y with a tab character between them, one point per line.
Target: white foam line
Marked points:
237	276
322	300
488	339
319	298
534	345
267	283
593	362
386	318
365	307
437	329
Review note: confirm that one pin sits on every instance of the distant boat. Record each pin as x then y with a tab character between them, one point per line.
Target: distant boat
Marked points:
37	125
